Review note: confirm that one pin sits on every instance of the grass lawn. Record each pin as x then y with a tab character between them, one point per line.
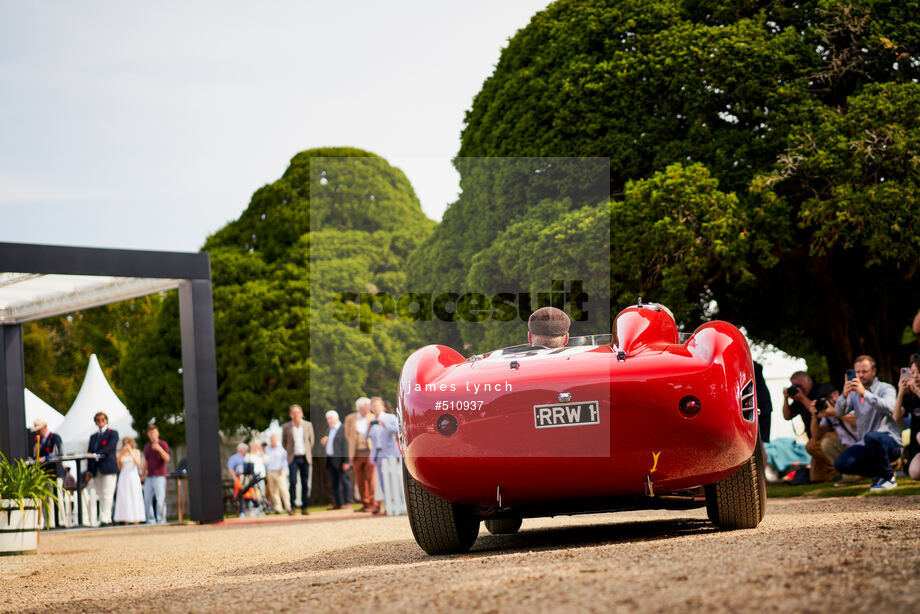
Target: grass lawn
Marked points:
906	486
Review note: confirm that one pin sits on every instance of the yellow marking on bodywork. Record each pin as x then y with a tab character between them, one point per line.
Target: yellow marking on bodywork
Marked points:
655	456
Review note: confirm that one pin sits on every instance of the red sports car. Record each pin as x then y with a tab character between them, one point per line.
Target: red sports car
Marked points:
632	420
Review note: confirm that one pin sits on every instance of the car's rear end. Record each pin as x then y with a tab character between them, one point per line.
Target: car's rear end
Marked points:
544	429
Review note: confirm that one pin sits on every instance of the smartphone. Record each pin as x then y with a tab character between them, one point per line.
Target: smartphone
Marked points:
851	374
905	372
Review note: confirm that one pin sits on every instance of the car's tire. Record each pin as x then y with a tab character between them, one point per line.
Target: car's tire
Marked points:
740	500
712	509
439	526
503	526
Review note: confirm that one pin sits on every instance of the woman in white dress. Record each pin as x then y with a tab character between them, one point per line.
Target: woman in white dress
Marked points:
129	496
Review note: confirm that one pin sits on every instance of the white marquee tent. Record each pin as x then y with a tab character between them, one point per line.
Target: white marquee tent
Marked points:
36	408
95	395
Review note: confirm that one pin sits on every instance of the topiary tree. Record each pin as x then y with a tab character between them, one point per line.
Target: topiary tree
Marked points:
337	219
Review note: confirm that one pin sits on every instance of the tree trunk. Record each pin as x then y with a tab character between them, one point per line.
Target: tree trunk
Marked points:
834	306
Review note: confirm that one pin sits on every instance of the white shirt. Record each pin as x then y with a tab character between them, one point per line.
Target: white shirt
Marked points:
297	434
332	431
277	458
361	426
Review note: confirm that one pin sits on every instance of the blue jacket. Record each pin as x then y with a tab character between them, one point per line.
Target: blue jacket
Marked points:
104	445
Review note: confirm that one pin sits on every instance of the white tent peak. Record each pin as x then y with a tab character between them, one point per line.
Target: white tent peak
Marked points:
37	408
95	395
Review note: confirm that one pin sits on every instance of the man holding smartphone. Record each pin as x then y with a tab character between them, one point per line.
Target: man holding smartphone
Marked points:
878	434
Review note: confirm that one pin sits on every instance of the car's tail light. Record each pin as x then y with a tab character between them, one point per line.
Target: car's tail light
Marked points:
446	425
689	406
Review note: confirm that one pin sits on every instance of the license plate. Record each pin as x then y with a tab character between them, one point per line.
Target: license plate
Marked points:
566	414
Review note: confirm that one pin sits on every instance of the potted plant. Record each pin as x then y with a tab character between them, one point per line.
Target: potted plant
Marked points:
25	491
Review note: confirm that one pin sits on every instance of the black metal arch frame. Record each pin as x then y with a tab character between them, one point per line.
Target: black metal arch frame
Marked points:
199	364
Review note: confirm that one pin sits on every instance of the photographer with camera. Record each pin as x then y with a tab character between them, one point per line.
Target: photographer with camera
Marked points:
799	398
878	434
830	437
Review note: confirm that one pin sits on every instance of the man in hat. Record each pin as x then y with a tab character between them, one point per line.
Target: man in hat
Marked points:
548	327
45	444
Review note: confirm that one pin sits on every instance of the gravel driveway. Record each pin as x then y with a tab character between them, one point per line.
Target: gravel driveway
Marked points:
822	555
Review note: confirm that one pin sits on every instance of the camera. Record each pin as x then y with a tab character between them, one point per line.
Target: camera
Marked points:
792	390
821	404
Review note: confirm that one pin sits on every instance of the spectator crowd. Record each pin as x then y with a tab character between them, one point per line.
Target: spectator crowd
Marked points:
274	476
277	476
866	428
114	466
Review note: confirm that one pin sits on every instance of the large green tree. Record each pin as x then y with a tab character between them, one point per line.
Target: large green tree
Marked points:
763	160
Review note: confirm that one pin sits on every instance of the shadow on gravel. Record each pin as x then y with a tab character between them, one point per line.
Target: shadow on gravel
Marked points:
404	552
551	538
776	569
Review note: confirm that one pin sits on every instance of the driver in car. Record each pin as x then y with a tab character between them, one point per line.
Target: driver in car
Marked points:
548	327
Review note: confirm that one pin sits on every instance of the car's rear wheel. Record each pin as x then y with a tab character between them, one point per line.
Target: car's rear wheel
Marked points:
740	500
439	526
503	526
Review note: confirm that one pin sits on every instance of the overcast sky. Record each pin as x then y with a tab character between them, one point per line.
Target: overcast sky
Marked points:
150	125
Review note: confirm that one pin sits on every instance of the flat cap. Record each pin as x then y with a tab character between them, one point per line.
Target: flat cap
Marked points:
548	322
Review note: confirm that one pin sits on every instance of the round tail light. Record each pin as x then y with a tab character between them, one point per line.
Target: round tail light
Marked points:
689	406
447	425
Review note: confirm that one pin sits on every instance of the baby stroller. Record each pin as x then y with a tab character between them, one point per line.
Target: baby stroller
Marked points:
248	493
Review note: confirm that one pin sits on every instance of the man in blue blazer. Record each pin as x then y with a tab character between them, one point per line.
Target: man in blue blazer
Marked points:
337	461
103	466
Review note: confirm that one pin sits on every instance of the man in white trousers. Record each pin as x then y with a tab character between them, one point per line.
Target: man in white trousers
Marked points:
102	467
